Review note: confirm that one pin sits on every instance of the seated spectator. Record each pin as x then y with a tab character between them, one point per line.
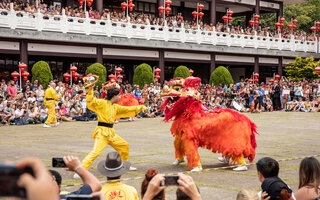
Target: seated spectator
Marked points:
269	168
64	113
43	114
309	179
34	116
19	115
113	167
76	113
247	195
276	189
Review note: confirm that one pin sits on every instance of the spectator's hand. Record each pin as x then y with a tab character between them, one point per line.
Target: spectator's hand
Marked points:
99	194
264	196
42	185
71	162
187	186
154	187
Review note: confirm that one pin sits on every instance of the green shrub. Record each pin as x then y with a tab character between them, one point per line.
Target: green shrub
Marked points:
221	75
99	70
143	75
302	68
41	71
181	71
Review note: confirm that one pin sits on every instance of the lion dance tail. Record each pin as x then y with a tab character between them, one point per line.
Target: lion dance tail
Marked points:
230	133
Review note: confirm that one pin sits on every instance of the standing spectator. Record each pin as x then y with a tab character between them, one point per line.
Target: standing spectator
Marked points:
276	96
113	167
309	179
40	94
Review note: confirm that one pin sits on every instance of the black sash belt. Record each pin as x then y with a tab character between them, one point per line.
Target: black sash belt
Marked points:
105	124
48	99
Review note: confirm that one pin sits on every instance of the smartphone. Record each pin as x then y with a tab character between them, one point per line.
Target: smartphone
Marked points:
171	180
9	176
82	197
58	162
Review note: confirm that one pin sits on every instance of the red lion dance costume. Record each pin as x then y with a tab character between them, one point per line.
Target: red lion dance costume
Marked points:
221	130
125	100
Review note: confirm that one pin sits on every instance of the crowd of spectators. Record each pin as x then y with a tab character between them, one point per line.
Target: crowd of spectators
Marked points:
46	184
26	106
172	22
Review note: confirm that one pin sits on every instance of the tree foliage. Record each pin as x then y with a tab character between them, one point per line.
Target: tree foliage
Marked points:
221	75
99	70
143	75
181	71
302	68
41	71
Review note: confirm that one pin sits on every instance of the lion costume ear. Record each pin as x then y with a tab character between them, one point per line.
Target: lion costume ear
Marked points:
192	82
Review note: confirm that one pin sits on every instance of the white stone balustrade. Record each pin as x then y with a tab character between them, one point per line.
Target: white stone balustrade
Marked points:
64	24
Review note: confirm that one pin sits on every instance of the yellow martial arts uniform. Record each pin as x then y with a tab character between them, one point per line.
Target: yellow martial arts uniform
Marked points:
50	98
107	112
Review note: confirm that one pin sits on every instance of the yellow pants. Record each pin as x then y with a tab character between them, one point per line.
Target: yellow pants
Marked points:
100	142
51	113
241	161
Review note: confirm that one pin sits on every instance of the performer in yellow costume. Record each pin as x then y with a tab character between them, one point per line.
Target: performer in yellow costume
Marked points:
104	133
50	98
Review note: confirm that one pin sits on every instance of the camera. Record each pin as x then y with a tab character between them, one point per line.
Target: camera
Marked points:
9	176
82	197
170	180
58	162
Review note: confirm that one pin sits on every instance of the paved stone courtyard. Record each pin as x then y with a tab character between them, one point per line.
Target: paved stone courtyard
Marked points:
286	137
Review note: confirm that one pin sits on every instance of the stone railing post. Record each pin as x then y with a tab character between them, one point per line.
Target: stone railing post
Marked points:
182	33
86	24
214	36
108	26
12	18
64	22
39	20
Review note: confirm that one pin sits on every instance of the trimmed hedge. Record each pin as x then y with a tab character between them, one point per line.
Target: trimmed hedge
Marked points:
99	70
41	71
221	75
182	72
143	75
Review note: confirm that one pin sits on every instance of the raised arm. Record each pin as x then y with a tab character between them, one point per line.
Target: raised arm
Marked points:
92	101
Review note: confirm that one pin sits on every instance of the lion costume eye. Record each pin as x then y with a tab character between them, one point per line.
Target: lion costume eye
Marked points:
177	87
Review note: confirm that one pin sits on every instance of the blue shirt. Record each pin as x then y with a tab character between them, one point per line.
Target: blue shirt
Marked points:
85	189
137	94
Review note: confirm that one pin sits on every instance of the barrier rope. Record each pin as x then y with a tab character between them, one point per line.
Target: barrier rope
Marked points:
189	172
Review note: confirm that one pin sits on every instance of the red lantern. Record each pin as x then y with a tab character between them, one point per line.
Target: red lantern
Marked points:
256	75
157	76
294	21
256	17
167	9
277	77
250	80
200	6
229	19
73	69
271	81
22	66
313	29
66	76
294	27
256	22
111	76
25	75
289	26
120	76
317	70
118	70
317	23
230	12
256	80
277	24
76	76
161	9
81	2
282	19
124	5
168	2
89	2
225	18
200	14
15	75
191	72
157	71
131	6
251	22
281	25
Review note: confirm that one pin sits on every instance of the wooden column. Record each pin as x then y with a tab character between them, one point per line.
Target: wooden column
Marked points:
24	52
256	65
99	58
99	6
212	63
280	66
257	7
213	12
161	65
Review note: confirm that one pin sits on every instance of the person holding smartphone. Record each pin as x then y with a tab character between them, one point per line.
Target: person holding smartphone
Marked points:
104	134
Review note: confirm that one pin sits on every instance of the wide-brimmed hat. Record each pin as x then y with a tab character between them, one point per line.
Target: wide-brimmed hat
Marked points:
113	166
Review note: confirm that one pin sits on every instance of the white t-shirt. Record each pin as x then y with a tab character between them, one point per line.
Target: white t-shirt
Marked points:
31	99
43	112
18	113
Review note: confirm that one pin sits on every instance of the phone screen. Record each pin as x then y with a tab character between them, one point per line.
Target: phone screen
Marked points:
58	162
171	180
9	176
